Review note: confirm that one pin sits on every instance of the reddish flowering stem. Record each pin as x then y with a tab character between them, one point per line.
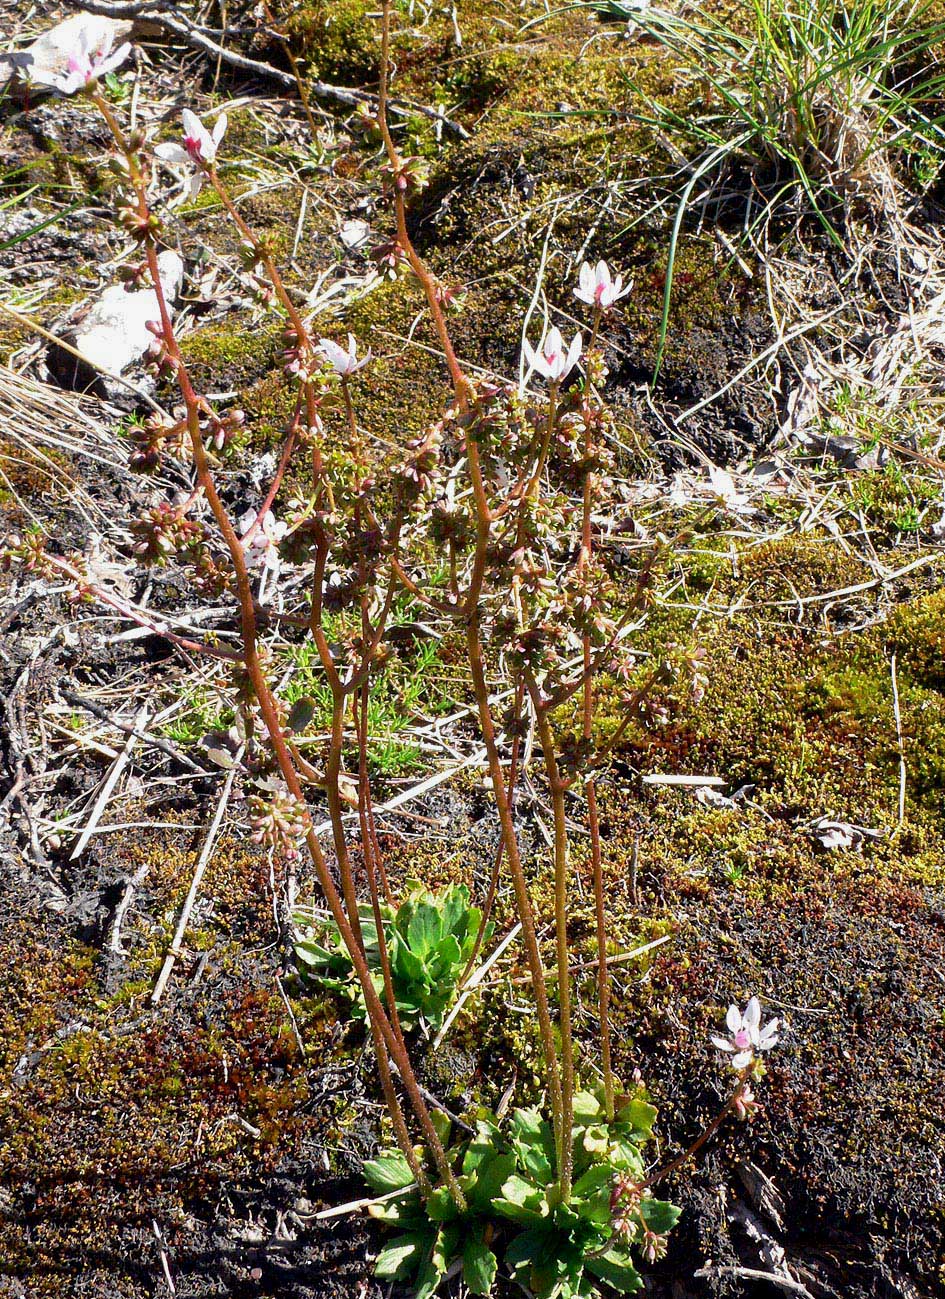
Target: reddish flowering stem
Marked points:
593	820
135	615
386	1040
290	444
705	1135
469	612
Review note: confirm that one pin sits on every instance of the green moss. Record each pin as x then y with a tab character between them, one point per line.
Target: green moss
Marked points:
339	39
230	355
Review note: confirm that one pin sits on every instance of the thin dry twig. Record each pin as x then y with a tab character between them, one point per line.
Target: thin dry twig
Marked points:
111	780
175	948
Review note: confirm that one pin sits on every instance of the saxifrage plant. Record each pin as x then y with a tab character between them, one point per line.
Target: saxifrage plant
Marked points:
555	1249
430	940
489	491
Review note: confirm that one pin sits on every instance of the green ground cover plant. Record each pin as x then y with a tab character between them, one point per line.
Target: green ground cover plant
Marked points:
430	939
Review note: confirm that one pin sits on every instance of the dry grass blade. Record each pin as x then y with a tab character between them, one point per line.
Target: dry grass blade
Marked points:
175	948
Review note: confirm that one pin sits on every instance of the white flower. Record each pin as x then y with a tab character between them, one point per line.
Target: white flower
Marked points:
342	362
722	486
88	58
262	546
596	287
551	361
199	149
747	1037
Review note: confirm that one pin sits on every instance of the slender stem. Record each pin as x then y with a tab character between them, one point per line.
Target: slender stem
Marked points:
557	789
593	820
469	611
500	848
281	751
519	883
531	490
709	1131
367	851
603	976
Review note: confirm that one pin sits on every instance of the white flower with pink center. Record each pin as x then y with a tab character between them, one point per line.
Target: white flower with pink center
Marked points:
598	288
746	1036
198	150
551	360
89	57
261	541
342	362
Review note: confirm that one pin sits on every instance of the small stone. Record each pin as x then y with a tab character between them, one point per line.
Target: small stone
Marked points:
113	334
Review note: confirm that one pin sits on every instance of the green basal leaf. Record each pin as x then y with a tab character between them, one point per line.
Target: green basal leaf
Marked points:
479	1266
591	1195
641	1115
447	954
490	1176
440	1206
596	1140
425	929
660	1216
405	1211
587	1109
400	1257
313	953
625	1157
521	1201
456	909
528	1248
442	1124
616	1268
408	967
534	1144
482	1146
389	1172
434	1269
546	1262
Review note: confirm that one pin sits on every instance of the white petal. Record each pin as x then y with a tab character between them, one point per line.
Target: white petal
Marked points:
742	1060
733	1019
113	61
721	1042
603	274
574	352
768	1037
70	84
334	354
219	128
530	355
753	1015
552	344
175	153
196	130
585	289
